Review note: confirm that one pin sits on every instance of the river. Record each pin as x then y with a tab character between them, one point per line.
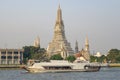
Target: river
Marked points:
103	74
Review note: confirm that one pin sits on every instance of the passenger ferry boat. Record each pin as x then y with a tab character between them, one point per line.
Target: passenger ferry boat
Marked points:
62	66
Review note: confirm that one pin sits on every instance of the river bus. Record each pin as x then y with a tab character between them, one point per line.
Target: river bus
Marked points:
62	66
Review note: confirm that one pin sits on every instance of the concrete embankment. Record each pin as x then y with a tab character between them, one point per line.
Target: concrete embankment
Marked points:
114	65
104	64
11	66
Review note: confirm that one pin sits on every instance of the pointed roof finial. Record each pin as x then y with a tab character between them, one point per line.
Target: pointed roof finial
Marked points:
86	41
59	14
76	41
37	42
59	6
76	47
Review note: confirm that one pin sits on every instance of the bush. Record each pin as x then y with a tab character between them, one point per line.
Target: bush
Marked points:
71	58
56	57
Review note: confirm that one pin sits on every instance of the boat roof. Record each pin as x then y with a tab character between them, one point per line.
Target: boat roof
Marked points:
59	61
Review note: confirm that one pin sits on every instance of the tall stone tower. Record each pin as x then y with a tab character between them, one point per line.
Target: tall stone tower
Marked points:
59	38
86	44
86	50
37	42
76	47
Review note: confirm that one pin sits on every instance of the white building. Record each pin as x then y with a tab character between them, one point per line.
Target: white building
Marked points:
98	54
11	56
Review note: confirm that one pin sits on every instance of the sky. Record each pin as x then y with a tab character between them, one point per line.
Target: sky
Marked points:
21	21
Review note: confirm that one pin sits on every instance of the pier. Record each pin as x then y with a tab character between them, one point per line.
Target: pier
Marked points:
11	66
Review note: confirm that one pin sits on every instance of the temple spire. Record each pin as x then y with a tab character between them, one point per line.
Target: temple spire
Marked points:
59	25
59	14
86	41
37	42
76	47
59	38
87	51
87	44
59	6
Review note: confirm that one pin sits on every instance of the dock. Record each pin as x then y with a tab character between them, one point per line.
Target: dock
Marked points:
11	66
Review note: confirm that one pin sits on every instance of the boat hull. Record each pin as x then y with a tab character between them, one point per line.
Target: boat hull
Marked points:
36	70
62	66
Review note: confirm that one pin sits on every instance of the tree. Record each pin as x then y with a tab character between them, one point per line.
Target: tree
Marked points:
103	58
56	57
98	59
93	58
113	56
71	58
37	53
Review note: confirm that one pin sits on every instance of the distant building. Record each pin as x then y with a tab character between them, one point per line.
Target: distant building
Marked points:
98	54
84	54
59	44
11	56
37	42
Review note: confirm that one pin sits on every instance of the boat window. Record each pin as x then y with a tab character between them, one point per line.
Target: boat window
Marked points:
57	67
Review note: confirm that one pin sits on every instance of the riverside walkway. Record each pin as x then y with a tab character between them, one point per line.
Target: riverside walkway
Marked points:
11	66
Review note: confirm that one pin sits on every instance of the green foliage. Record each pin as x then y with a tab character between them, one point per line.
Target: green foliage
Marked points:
31	52
114	56
56	57
93	58
71	58
103	58
37	53
98	59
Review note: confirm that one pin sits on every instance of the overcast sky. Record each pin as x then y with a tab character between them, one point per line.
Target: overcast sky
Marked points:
21	21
